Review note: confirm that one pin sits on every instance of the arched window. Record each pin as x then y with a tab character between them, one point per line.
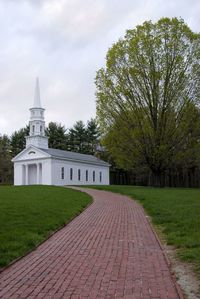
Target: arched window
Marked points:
79	174
93	175
71	174
40	129
86	175
33	129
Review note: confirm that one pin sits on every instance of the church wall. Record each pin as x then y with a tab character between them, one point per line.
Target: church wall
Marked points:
37	141
76	166
47	172
51	173
18	174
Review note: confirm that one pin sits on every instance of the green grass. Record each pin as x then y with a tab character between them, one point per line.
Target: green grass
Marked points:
29	214
175	211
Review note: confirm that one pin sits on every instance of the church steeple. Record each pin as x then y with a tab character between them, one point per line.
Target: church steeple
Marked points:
37	102
37	124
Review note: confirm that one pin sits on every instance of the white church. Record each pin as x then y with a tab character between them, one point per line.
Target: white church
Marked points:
39	164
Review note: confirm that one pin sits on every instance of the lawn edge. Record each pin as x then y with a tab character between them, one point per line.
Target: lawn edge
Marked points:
50	235
179	290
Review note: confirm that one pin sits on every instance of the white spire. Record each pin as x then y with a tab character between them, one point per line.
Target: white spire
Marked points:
37	124
37	103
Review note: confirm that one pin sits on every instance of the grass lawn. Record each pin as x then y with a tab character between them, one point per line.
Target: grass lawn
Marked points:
176	211
29	214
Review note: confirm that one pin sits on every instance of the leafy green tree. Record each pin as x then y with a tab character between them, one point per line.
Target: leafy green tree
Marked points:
151	77
18	140
5	160
57	136
188	156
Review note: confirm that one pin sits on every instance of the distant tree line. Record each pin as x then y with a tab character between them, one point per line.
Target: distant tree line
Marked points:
82	138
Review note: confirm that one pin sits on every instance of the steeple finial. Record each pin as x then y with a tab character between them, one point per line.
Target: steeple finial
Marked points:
37	103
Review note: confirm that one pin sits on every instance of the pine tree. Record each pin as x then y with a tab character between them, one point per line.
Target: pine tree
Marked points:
5	160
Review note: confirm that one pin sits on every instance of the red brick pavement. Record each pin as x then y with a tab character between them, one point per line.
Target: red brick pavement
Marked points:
109	251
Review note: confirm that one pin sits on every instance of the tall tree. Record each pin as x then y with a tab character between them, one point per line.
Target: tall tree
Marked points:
84	138
77	137
5	160
92	136
57	136
151	77
18	140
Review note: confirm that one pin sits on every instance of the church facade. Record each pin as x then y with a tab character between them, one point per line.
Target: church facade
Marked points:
39	164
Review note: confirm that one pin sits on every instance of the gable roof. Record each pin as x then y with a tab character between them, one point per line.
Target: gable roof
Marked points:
23	154
56	153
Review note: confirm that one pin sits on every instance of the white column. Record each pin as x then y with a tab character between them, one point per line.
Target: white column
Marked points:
38	173
41	173
26	174
23	174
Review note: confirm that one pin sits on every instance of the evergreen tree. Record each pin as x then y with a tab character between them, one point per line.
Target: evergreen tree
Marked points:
84	138
92	136
5	160
78	138
57	136
18	141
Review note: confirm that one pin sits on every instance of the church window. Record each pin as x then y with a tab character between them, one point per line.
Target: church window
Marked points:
40	129
31	152
79	174
71	174
33	128
86	175
93	176
62	173
100	176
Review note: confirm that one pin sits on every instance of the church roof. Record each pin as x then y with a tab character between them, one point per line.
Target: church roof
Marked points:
74	156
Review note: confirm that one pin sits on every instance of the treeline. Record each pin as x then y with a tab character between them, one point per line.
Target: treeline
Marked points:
188	177
85	138
82	138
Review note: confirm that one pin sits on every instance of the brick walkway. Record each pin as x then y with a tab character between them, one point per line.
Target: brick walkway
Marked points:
109	251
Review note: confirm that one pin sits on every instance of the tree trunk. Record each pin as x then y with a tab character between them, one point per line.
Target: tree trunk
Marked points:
157	179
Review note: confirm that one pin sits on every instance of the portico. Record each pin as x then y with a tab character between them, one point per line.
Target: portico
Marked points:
32	173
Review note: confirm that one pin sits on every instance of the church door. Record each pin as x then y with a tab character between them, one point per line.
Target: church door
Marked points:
32	174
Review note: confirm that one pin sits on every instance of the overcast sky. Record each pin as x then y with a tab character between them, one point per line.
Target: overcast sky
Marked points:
64	42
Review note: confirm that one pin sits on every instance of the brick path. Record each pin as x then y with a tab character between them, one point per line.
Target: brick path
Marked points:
109	251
